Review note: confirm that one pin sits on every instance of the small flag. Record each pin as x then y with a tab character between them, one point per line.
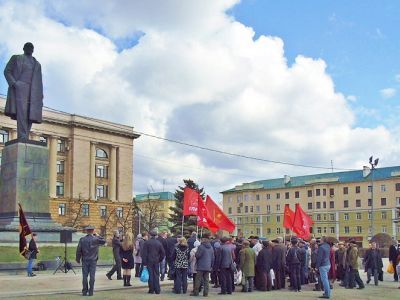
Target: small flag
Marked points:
190	202
24	230
218	216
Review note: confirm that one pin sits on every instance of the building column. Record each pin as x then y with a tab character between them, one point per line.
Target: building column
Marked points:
113	173
337	225
52	166
92	179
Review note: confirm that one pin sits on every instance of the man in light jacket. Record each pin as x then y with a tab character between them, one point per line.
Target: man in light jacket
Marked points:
323	265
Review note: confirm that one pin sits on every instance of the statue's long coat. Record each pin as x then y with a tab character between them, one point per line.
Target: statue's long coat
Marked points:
12	72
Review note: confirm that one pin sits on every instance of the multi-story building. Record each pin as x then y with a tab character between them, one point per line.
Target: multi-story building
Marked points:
90	168
155	210
353	204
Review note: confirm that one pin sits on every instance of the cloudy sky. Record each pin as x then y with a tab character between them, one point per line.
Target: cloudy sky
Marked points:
299	82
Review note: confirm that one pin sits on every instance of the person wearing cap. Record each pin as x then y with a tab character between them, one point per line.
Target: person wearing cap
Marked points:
226	266
116	245
263	267
88	252
373	263
293	263
152	255
340	260
247	265
181	257
137	257
354	276
323	265
279	263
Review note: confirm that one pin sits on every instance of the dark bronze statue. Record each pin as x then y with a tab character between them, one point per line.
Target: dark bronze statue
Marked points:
25	91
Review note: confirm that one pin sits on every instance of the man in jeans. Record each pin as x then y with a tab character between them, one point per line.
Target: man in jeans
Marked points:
33	249
323	265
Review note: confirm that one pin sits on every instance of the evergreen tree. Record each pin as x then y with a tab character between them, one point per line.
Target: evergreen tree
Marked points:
175	218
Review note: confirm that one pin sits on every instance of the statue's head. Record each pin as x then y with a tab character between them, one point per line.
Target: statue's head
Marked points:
28	48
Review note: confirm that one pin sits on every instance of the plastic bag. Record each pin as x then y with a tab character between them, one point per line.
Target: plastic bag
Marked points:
238	277
390	268
144	277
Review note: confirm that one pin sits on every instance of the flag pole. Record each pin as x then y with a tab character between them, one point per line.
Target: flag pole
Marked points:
183	220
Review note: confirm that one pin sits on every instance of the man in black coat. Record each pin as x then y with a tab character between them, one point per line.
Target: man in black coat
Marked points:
279	263
152	255
394	252
373	263
226	267
302	255
293	263
162	238
116	245
171	244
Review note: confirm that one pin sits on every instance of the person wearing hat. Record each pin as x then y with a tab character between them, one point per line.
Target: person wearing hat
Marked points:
263	267
152	255
247	265
354	276
116	245
226	266
279	263
88	252
293	263
340	260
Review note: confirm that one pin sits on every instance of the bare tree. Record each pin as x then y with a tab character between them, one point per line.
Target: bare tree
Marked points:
74	212
151	215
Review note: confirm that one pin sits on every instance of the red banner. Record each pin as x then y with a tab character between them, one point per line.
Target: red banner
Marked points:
302	223
203	218
24	230
288	217
190	202
218	216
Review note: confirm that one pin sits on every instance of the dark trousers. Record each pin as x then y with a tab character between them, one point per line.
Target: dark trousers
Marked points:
395	275
279	278
295	280
302	275
139	269
215	278
202	277
180	281
248	284
226	280
354	278
88	269
171	268
116	268
154	278
374	272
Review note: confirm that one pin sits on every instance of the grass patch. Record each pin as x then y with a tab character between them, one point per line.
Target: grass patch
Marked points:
10	254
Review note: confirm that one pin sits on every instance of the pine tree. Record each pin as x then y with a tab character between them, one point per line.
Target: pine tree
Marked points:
175	218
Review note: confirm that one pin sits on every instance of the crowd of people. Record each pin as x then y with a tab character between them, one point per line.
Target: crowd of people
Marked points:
251	264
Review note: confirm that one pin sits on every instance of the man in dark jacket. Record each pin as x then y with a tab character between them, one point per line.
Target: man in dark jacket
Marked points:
226	267
171	244
33	250
302	255
394	252
88	252
323	265
116	245
373	263
293	263
152	255
204	262
279	263
162	238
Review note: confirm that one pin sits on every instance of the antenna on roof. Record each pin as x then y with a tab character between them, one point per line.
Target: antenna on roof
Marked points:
332	165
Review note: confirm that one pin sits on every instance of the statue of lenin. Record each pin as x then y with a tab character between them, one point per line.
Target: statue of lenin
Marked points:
25	91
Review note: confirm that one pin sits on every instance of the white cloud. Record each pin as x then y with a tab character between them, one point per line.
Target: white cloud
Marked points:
397	77
388	93
195	75
351	98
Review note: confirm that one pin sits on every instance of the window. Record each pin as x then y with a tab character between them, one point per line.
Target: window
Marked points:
258	208
278	219
383	215
358	189
384	229
100	153
268	219
358	203
60	167
309	193
287	195
278	195
278	231
229	210
397	187
324	229
60	145
103	211
251	209
230	199
317	192
309	205
332	217
246	209
318	217
246	197
268	209
369	202
278	207
61	209
383	201
43	139
257	231
297	194
324	192
257	220
318	205
331	192
101	191
324	204
370	189
331	204
239	198
319	230
268	196
239	220
268	230
346	203
345	190
397	201
346	229
3	136
369	215
324	217
85	210
257	197
238	210
60	188
359	229
383	188
101	171
346	216
358	216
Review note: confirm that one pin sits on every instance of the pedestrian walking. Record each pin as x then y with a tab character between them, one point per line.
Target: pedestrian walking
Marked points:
116	245
126	253
373	263
394	252
88	252
354	275
33	252
181	257
247	265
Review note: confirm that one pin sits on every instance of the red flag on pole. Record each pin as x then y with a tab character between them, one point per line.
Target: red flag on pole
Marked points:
203	218
288	217
190	202
24	230
218	216
302	223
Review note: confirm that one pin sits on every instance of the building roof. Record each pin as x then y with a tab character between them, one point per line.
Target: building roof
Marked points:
326	178
162	196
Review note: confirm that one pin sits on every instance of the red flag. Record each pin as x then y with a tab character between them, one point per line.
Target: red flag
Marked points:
190	202
203	218
288	217
302	223
24	230
218	216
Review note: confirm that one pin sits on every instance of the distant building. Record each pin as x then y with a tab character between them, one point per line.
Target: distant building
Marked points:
90	168
155	210
341	204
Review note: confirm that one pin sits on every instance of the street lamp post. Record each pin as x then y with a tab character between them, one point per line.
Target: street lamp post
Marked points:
373	164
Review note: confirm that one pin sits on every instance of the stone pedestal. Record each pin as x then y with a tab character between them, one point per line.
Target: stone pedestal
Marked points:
24	179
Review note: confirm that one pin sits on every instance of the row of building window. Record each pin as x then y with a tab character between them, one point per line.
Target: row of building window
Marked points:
318	192
85	210
101	190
